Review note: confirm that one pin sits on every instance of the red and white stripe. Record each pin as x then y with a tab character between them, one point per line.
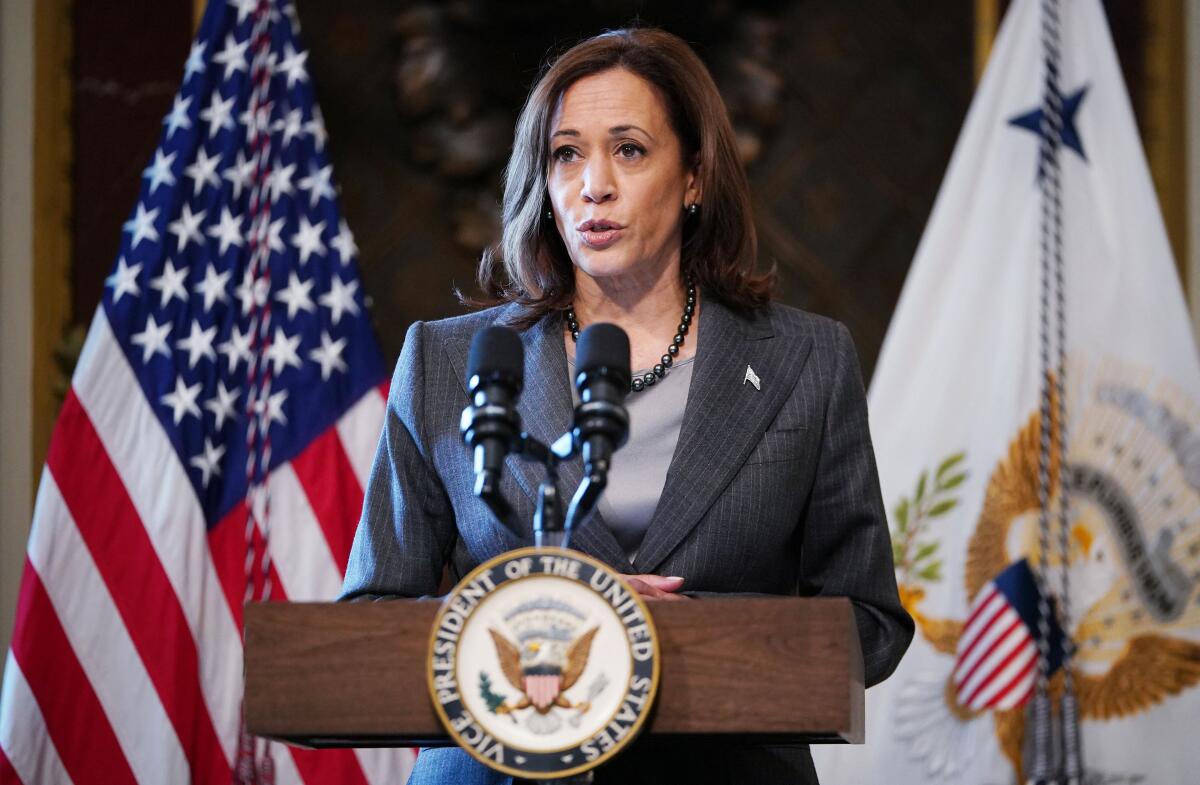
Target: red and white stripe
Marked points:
126	657
26	752
994	667
542	689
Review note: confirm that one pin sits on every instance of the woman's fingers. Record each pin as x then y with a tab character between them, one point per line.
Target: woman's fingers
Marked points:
672	583
648	590
656	587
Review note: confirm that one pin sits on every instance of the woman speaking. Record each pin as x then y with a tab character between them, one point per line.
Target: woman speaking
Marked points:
748	467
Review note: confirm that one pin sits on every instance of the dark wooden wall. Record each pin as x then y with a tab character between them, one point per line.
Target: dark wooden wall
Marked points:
848	112
127	65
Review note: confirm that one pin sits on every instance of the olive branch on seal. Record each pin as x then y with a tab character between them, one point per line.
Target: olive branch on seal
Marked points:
914	557
492	699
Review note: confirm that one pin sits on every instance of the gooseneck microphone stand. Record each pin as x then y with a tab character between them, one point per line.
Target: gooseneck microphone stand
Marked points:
491	427
550	527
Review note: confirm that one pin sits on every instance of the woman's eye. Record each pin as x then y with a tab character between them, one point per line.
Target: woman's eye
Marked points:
630	150
565	154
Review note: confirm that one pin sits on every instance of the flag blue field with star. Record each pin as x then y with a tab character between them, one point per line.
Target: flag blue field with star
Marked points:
183	295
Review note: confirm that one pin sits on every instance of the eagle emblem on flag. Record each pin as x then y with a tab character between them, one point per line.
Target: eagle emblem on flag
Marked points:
1134	558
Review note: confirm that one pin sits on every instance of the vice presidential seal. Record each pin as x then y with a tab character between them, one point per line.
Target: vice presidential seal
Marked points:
543	663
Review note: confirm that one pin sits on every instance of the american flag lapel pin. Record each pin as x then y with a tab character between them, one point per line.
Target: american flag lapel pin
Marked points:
752	377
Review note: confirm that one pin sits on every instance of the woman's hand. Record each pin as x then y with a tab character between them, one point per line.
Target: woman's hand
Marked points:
656	587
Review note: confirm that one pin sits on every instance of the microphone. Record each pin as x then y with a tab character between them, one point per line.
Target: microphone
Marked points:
601	423
602	378
491	425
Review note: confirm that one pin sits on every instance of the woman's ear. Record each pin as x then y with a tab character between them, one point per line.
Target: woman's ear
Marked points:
695	191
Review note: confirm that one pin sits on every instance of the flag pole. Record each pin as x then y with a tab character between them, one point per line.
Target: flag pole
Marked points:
987	20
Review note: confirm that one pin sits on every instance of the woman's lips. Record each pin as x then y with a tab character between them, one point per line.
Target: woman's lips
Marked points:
600	239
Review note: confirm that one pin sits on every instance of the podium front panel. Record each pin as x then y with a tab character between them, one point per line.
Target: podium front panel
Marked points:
353	674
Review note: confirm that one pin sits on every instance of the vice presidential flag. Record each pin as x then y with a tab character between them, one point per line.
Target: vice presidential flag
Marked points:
955	416
212	448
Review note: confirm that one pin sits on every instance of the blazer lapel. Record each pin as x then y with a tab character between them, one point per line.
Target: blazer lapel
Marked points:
724	419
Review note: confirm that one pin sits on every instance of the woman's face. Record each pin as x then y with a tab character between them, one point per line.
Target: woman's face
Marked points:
617	182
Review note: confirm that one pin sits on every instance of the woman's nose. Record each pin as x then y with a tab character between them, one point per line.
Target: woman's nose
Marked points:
598	185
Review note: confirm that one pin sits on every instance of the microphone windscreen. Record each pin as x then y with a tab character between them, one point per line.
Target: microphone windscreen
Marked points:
496	351
604	346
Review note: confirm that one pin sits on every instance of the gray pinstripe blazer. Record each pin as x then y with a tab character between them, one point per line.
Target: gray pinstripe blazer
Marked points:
771	490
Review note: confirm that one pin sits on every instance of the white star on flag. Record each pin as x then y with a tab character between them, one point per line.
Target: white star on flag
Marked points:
178	118
344	243
329	355
274	240
282	351
317	184
340	299
195	62
187	227
198	343
251	292
307	239
272	407
222	405
142	226
289	11
255	120
239	174
203	171
316	129
275	407
292	125
245	8
237	349
218	114
170	284
153	339
228	231
293	65
279	182
213	287
208	462
296	296
182	400
159	172
233	56
124	280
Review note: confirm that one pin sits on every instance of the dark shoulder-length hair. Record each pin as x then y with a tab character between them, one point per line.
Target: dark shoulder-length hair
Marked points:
531	267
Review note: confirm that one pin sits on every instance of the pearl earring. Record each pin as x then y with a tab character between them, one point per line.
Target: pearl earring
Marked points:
693	208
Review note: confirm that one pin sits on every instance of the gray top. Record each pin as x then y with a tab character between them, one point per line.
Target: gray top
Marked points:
639	469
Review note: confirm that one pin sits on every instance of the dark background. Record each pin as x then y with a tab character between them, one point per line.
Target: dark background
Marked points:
847	112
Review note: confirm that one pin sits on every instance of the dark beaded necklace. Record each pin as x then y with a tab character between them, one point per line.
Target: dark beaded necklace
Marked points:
660	370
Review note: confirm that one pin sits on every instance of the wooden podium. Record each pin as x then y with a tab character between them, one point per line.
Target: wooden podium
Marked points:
353	674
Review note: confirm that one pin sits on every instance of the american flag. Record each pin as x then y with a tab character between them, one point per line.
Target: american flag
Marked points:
212	448
996	662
